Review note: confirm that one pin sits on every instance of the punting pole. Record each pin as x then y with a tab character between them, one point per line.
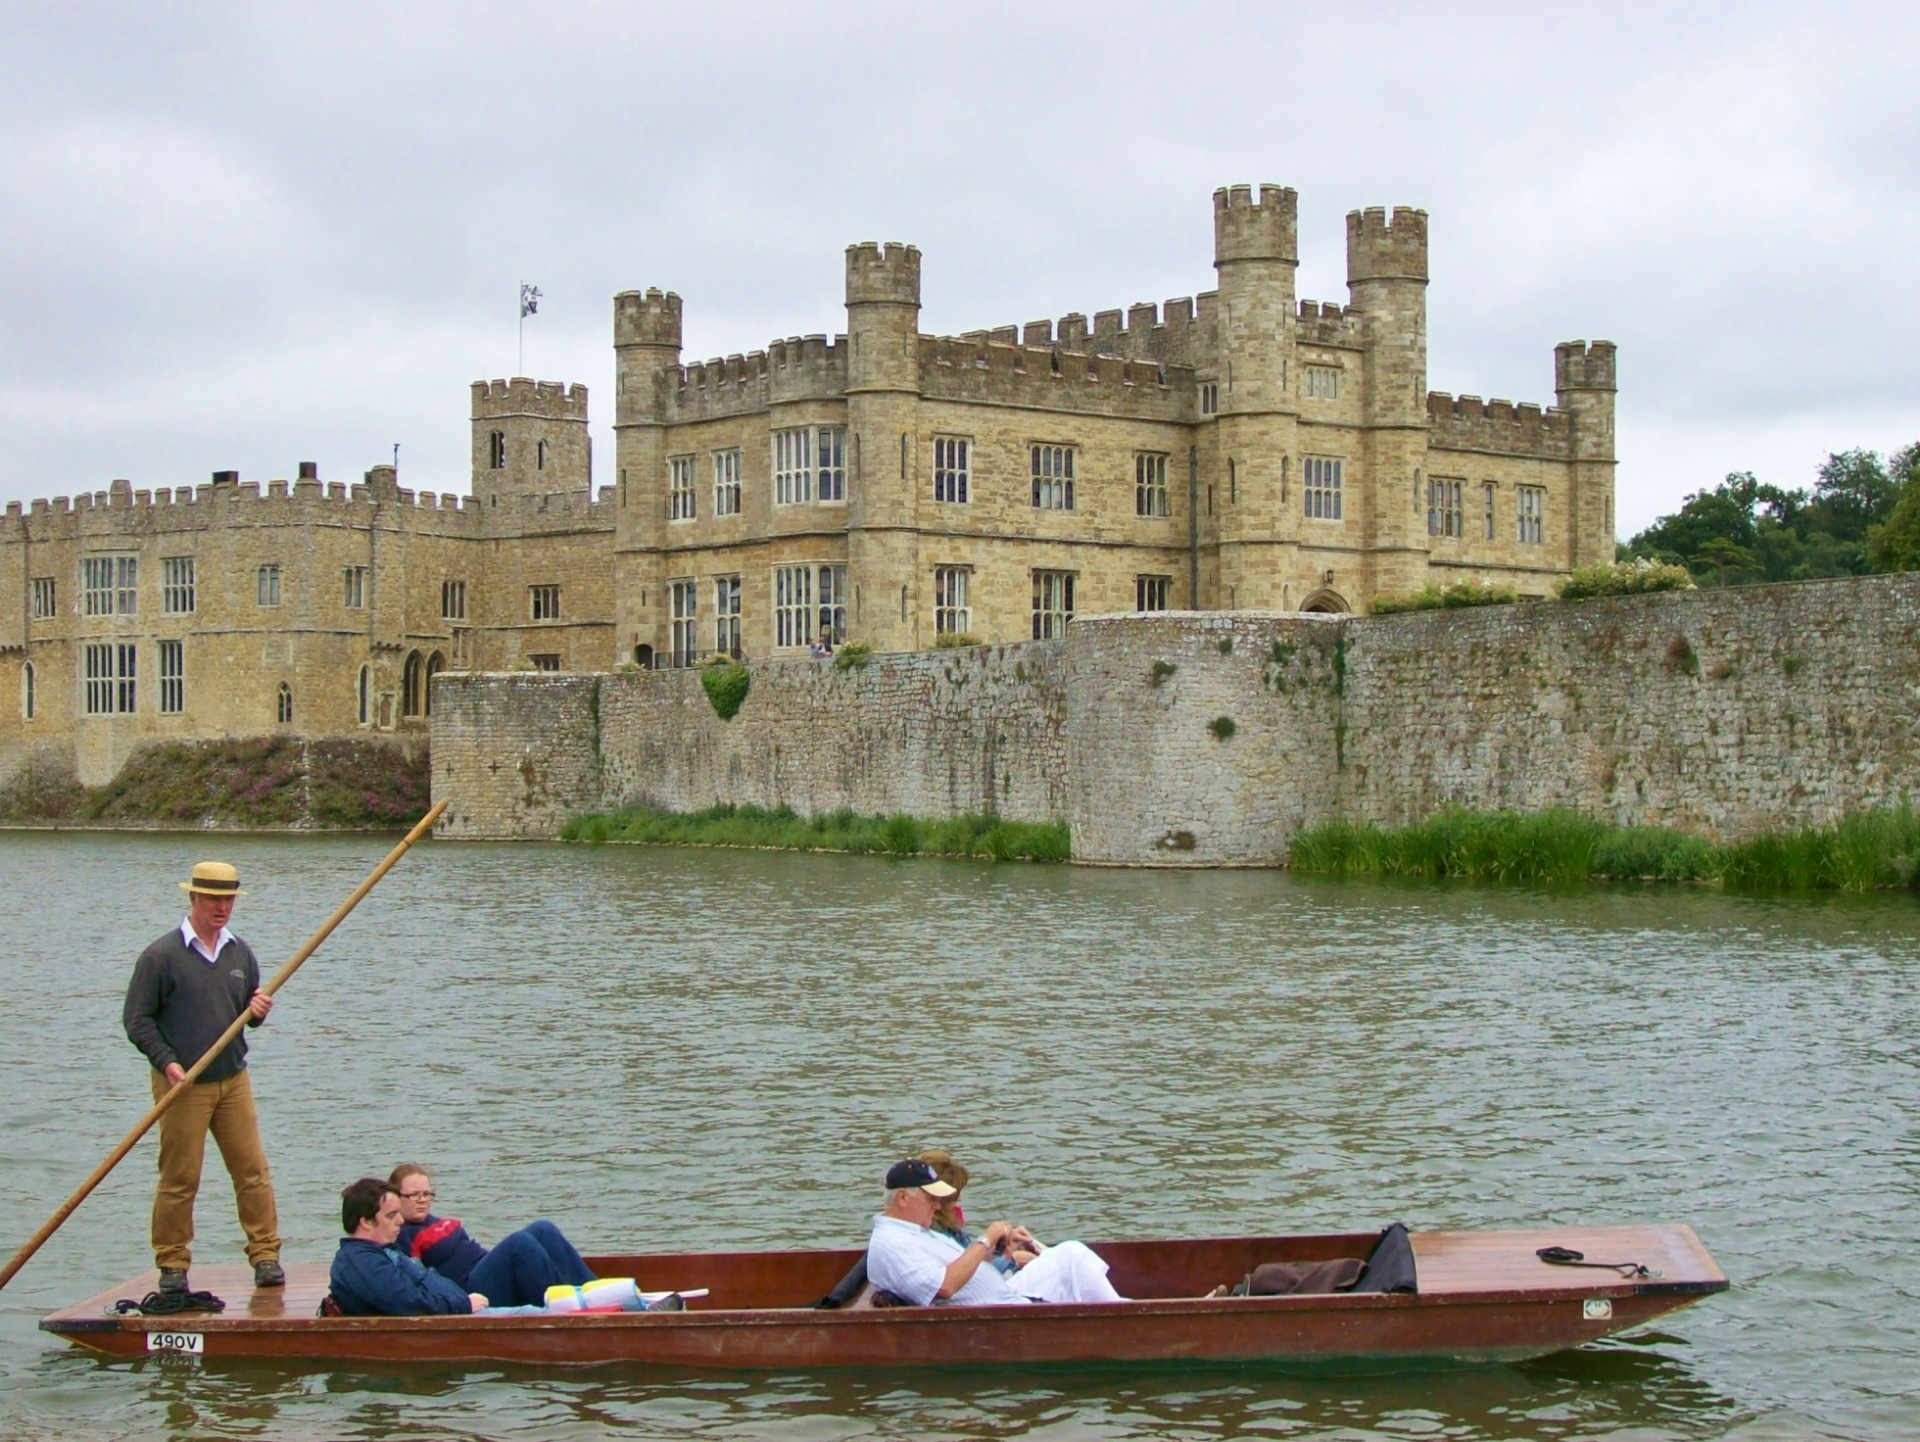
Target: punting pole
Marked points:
274	983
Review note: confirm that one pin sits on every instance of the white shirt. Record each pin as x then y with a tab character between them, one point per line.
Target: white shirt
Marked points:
198	947
911	1262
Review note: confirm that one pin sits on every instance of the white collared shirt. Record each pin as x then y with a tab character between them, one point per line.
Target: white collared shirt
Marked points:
911	1262
198	947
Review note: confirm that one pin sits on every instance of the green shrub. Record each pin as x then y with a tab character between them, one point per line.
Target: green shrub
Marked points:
1625	578
896	835
726	682
853	656
1435	598
1160	671
1222	727
949	640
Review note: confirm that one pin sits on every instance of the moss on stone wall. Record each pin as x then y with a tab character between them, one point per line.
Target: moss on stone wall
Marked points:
271	781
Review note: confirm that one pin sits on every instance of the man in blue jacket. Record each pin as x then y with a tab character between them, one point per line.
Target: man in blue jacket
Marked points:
371	1277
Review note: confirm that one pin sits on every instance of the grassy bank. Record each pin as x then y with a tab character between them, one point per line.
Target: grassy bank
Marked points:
271	781
986	836
1866	851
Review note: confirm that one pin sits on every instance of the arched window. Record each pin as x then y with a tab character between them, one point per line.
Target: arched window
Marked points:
436	663
411	677
497	450
366	686
26	690
540	456
285	708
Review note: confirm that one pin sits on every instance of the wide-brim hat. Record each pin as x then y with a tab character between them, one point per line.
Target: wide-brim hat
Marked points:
214	878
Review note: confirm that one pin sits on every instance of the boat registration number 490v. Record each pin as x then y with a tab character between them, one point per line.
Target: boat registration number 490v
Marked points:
194	1342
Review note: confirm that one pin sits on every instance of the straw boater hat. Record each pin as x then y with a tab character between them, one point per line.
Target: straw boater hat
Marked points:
214	878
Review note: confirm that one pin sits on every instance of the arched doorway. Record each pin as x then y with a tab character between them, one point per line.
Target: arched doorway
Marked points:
643	656
1326	603
436	663
411	684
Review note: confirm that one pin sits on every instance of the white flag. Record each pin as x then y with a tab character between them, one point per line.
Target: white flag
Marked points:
529	300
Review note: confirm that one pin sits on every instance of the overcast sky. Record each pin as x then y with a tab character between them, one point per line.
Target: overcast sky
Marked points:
238	237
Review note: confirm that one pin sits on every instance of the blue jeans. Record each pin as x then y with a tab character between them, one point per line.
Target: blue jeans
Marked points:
518	1271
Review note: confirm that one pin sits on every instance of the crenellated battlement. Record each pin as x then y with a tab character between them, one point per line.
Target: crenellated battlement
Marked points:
1329	323
1385	244
1578	366
520	396
1177	332
1248	229
994	367
883	275
649	317
1467	423
798	368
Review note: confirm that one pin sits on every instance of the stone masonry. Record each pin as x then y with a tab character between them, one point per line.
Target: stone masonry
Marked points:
1721	712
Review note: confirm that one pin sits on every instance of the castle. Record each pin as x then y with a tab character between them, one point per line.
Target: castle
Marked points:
1237	450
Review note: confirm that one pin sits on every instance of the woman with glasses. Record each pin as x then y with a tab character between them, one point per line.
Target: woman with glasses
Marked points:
514	1273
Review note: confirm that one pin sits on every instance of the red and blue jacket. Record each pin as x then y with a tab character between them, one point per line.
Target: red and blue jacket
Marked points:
444	1245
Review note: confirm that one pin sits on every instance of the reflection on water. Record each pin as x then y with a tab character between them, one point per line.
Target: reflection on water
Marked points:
683	1049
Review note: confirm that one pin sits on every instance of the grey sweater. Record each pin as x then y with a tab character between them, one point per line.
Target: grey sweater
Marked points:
178	1003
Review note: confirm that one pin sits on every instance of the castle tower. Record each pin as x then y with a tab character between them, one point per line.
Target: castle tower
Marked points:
1256	253
883	408
1584	383
1387	281
646	360
529	439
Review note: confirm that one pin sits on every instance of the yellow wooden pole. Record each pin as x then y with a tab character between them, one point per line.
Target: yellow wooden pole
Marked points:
278	980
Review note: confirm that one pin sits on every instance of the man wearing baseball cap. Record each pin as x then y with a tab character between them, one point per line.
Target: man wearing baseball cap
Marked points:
921	1266
187	988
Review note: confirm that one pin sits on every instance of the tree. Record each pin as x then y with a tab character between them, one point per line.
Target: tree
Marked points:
1894	544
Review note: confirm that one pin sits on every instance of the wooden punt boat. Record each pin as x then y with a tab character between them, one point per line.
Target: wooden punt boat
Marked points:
1482	1295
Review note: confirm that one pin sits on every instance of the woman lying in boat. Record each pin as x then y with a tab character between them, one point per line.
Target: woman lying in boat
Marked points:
921	1266
514	1273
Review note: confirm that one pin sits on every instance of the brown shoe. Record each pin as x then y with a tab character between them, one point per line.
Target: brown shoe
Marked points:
268	1274
173	1279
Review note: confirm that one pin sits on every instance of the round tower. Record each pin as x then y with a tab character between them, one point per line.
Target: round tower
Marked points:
1584	384
646	362
883	317
1387	280
883	448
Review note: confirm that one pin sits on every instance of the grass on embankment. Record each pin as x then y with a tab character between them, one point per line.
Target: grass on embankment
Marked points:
1867	850
752	826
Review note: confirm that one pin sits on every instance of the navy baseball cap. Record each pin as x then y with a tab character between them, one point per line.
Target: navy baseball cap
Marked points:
915	1173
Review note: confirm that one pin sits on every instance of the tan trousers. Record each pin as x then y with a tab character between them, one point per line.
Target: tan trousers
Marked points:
224	1108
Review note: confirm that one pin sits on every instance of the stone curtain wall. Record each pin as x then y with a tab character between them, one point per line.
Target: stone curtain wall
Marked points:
932	733
1723	712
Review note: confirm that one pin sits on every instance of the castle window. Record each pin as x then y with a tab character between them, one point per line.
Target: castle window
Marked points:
283	704
726	616
832	598
110	672
680	487
1444	509
1210	398
950	469
364	694
1530	515
45	598
539	455
453	600
792	467
685	639
1052	603
545	602
544	661
1323	383
436	663
412	685
951	614
1486	496
726	483
173	677
26	691
355	582
269	584
497	450
1320	487
830	455
1053	478
793	605
176	585
1150	592
109	585
1150	485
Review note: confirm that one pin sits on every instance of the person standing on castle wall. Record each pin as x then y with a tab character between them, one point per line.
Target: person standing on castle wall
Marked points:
187	988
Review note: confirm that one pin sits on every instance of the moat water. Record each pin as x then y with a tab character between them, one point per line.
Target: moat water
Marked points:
688	1049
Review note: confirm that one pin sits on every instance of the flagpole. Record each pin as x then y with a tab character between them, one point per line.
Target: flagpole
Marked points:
521	367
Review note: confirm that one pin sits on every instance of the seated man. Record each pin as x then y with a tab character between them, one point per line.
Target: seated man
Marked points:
371	1278
514	1273
922	1266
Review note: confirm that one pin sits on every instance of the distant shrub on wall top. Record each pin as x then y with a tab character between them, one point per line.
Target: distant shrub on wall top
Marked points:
948	640
725	682
1625	578
852	656
1441	598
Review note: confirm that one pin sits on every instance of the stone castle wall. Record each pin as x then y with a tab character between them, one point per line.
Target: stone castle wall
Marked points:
1722	712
